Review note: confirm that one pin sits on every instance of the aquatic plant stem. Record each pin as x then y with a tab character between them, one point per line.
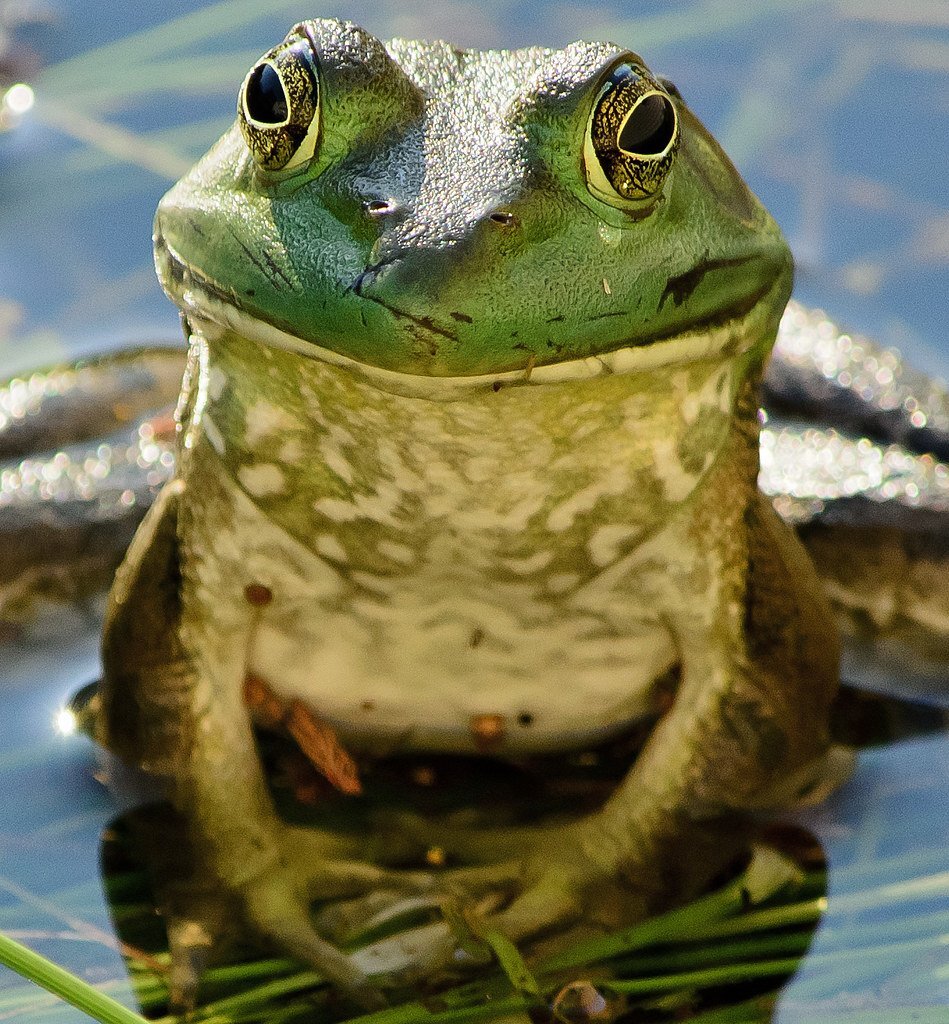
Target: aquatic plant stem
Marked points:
677	923
260	994
74	990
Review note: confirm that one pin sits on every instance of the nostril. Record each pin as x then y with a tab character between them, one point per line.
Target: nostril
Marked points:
379	207
506	220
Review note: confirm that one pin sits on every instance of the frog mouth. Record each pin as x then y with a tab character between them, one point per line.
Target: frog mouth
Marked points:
212	309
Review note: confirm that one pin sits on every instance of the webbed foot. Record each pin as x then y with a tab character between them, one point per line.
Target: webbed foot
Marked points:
205	915
552	891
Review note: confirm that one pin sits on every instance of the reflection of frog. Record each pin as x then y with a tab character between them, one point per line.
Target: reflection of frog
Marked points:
468	459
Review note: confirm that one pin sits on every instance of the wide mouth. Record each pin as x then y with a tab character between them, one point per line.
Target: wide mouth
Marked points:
212	309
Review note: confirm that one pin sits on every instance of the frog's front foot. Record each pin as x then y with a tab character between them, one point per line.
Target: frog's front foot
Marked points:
277	903
278	912
567	878
277	906
206	913
563	886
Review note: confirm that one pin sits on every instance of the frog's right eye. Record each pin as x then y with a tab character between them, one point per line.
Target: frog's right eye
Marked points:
279	108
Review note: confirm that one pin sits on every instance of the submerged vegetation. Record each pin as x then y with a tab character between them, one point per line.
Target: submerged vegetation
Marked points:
722	958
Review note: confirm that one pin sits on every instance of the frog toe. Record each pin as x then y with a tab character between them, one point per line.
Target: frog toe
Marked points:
191	944
483	879
278	911
348	921
329	868
548	905
339	879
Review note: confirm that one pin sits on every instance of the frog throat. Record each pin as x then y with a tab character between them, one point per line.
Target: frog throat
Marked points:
210	311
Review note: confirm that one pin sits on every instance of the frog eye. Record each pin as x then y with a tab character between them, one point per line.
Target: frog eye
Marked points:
279	107
631	137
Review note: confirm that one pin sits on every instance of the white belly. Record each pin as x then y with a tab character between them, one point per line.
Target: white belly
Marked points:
415	662
435	564
416	682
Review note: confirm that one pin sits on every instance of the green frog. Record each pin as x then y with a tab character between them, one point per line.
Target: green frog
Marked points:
467	463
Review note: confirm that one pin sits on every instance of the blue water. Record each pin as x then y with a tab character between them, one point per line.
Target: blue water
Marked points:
839	121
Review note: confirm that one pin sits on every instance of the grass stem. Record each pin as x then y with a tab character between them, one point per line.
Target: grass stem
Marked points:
61	983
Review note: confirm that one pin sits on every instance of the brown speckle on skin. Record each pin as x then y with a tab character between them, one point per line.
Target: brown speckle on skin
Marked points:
435	857
258	595
488	731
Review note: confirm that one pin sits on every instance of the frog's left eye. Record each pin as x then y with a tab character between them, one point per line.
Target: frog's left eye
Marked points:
279	108
631	137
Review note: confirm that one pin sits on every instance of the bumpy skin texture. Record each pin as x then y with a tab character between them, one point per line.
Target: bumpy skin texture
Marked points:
487	442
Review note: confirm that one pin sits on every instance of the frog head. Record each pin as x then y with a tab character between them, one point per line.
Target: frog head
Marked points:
423	210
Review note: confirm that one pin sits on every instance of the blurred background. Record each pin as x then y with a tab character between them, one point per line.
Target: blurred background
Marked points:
835	111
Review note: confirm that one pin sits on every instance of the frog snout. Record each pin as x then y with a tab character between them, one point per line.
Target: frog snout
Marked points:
397	272
415	255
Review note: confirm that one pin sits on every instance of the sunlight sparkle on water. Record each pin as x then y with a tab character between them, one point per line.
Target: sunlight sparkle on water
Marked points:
18	99
65	722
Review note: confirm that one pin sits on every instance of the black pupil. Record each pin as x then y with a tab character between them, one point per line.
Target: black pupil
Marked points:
266	99
650	127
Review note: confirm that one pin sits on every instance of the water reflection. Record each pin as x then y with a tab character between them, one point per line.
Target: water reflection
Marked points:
882	943
724	950
879	938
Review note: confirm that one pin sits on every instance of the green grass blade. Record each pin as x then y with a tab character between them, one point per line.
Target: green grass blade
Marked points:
416	1013
512	963
674	924
255	1000
67	986
710	976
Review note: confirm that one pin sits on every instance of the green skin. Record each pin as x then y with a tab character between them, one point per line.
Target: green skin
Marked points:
435	322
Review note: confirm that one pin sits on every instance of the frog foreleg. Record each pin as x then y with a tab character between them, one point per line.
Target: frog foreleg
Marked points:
172	704
747	732
143	697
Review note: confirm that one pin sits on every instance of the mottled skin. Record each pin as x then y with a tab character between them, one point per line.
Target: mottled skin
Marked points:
487	434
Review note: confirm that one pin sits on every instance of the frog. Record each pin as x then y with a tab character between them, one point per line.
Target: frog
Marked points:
467	461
